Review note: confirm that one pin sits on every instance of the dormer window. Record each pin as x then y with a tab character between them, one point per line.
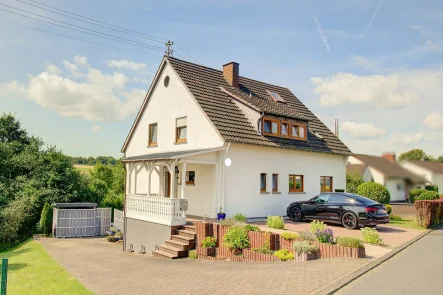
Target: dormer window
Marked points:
275	96
299	131
271	127
285	129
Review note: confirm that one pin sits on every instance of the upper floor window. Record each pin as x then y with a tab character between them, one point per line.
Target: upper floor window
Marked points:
299	131
285	127
326	183
190	177
275	96
271	126
153	134
181	129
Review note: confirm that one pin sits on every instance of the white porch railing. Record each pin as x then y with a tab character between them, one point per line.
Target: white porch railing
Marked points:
161	210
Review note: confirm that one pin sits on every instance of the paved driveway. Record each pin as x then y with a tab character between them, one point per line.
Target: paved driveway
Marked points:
105	269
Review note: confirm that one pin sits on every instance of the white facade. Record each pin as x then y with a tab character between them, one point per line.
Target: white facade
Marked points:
430	176
397	189
165	105
243	178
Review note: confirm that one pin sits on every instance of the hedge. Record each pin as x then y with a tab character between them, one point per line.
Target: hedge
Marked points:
429	213
433	188
374	191
428	195
413	194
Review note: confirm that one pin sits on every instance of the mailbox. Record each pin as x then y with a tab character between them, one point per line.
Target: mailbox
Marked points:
183	205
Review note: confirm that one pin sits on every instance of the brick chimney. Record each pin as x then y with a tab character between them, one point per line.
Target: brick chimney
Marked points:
390	156
230	73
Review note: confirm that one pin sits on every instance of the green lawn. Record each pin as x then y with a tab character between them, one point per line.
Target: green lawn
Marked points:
405	223
33	271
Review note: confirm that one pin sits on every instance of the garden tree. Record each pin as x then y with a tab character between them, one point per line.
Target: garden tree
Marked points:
440	159
416	154
45	224
30	176
353	180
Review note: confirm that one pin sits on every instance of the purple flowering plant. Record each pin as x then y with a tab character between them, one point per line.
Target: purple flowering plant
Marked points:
325	236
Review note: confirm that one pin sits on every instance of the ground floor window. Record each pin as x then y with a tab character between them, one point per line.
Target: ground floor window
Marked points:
326	183
274	183
296	183
190	177
262	182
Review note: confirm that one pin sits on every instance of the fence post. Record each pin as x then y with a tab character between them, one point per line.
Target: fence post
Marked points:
4	278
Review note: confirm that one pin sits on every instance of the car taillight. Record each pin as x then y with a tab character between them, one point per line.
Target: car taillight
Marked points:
371	210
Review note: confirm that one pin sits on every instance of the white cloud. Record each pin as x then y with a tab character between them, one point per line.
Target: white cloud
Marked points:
323	37
434	120
416	27
52	69
363	62
408	139
90	94
391	90
361	130
81	61
12	89
127	64
95	128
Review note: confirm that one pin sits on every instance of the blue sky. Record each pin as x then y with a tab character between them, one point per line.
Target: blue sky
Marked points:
375	65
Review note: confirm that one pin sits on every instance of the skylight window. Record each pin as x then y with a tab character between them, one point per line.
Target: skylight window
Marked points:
275	96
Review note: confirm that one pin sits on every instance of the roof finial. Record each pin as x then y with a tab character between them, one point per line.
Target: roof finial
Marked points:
169	50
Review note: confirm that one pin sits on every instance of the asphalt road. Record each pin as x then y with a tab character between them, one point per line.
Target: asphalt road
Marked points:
416	270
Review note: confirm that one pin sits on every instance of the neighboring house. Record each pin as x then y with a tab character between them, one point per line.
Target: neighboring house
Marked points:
206	139
431	171
386	171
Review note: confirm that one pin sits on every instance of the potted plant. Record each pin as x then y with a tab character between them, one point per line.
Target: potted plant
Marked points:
208	246
221	215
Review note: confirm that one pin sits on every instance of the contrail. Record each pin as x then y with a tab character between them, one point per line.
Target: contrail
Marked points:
322	34
148	9
371	21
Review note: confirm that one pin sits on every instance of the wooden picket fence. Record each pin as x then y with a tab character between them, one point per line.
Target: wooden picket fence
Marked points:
118	222
68	223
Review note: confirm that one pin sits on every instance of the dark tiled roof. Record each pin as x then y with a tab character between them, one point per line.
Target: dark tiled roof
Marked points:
359	169
164	156
432	166
204	83
388	168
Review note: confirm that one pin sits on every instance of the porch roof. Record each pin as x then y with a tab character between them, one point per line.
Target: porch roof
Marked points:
168	155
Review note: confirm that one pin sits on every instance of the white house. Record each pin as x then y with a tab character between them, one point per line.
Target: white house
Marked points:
386	171
207	139
431	171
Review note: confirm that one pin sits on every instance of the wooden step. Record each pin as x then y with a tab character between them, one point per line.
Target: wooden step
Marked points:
164	254
184	239
172	250
186	233
190	228
181	246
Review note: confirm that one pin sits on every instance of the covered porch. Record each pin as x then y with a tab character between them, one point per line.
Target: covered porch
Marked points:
164	187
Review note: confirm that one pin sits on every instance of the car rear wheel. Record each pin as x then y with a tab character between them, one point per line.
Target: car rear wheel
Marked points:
349	220
295	214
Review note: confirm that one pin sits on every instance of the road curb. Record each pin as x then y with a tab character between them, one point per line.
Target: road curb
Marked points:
331	289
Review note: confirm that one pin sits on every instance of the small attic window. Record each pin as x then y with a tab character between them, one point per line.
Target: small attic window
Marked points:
275	96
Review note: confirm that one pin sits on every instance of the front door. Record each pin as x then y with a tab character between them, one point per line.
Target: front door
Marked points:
167	184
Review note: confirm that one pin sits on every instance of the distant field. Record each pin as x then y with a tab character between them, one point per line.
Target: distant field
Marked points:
84	168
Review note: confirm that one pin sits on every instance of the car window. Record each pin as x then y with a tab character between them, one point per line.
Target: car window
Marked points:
321	199
339	199
363	200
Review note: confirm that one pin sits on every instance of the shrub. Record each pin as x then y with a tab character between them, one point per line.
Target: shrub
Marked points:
232	222
374	191
371	236
45	224
432	188
316	225
209	242
395	218
350	242
413	194
284	254
428	195
353	180
325	236
276	222
250	227
240	217
118	235
388	208
193	254
290	236
111	238
305	247
307	236
429	213
236	238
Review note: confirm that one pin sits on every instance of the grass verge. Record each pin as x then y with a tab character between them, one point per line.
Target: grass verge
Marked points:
33	271
406	224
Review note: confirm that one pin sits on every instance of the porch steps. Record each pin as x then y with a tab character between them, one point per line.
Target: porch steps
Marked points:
179	245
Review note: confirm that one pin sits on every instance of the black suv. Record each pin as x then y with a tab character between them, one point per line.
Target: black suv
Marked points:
347	209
